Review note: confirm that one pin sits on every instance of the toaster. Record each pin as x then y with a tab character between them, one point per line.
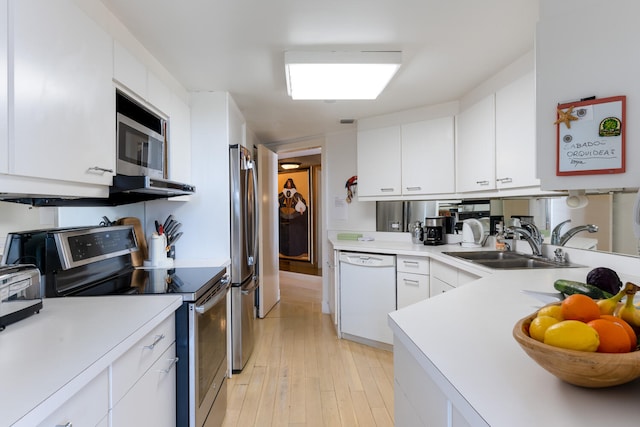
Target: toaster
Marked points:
20	293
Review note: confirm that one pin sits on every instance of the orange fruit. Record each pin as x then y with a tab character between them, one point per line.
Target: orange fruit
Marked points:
580	307
633	339
613	337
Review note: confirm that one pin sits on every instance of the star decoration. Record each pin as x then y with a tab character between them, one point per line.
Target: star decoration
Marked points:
565	117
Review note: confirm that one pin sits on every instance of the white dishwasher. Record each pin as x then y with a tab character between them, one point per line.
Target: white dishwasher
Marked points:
367	295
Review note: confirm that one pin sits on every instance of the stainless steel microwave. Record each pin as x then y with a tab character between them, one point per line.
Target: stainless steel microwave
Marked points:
141	140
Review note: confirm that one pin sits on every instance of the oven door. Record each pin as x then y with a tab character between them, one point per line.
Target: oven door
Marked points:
208	318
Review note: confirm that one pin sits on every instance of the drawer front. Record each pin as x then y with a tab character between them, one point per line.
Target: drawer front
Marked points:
412	288
152	400
412	264
444	272
135	362
85	408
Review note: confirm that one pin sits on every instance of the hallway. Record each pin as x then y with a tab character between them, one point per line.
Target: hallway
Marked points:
301	374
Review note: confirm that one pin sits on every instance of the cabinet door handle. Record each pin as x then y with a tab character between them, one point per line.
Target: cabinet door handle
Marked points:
99	169
155	342
482	182
504	180
386	189
69	424
414	188
173	362
411	282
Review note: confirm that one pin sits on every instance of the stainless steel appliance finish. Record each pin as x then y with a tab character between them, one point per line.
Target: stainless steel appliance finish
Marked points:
20	295
244	253
434	230
401	215
141	140
202	352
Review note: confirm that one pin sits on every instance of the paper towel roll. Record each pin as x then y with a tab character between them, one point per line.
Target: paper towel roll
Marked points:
157	249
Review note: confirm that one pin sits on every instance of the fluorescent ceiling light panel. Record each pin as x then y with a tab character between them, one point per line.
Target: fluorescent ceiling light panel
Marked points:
339	75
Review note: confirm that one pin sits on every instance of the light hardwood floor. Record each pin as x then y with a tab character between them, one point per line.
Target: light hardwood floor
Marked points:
301	374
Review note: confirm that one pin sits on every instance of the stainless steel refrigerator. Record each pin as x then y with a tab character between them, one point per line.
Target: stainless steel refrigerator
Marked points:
244	253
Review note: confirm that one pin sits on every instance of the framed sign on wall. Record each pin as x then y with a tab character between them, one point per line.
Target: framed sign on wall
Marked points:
591	137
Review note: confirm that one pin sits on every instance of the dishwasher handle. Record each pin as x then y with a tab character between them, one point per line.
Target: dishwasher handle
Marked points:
367	259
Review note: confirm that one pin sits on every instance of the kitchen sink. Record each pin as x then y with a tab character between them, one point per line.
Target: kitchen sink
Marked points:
504	260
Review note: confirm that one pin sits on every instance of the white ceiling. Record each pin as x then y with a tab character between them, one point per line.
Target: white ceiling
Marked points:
449	47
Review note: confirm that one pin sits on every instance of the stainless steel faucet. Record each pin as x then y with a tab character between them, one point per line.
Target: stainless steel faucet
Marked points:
561	240
531	234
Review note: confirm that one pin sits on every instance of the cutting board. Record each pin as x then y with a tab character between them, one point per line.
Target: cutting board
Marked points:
137	258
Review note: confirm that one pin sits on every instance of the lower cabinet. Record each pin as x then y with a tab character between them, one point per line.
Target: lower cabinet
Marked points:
88	407
424	397
445	277
151	401
412	279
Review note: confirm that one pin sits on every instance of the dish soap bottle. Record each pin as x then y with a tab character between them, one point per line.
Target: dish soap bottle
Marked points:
501	245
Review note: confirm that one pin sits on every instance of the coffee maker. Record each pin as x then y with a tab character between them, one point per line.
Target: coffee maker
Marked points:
434	230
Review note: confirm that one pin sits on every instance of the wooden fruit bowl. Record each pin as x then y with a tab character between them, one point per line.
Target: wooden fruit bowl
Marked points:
579	368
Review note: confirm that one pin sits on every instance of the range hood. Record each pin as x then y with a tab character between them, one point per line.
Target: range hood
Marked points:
124	190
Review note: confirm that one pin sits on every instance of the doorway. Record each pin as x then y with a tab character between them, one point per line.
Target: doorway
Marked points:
299	199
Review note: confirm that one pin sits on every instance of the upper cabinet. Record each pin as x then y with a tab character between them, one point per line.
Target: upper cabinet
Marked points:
134	77
516	134
495	140
475	147
379	162
64	102
412	159
428	157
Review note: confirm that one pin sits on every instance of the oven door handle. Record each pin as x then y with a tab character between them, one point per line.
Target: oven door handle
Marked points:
201	309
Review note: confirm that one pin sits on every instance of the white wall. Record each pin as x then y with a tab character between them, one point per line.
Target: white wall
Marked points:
206	216
339	164
587	48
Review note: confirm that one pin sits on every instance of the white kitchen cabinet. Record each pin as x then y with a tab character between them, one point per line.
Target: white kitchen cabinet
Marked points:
428	160
129	71
516	133
379	162
179	141
475	147
412	279
151	401
4	28
86	408
438	286
63	94
445	277
423	397
132	365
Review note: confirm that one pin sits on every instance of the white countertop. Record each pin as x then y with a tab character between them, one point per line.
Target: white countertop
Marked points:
67	344
467	334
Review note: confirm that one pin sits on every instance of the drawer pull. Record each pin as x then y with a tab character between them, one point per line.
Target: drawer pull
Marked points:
411	282
172	362
155	342
69	424
410	262
99	169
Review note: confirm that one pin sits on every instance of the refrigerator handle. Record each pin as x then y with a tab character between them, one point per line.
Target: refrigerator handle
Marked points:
253	240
